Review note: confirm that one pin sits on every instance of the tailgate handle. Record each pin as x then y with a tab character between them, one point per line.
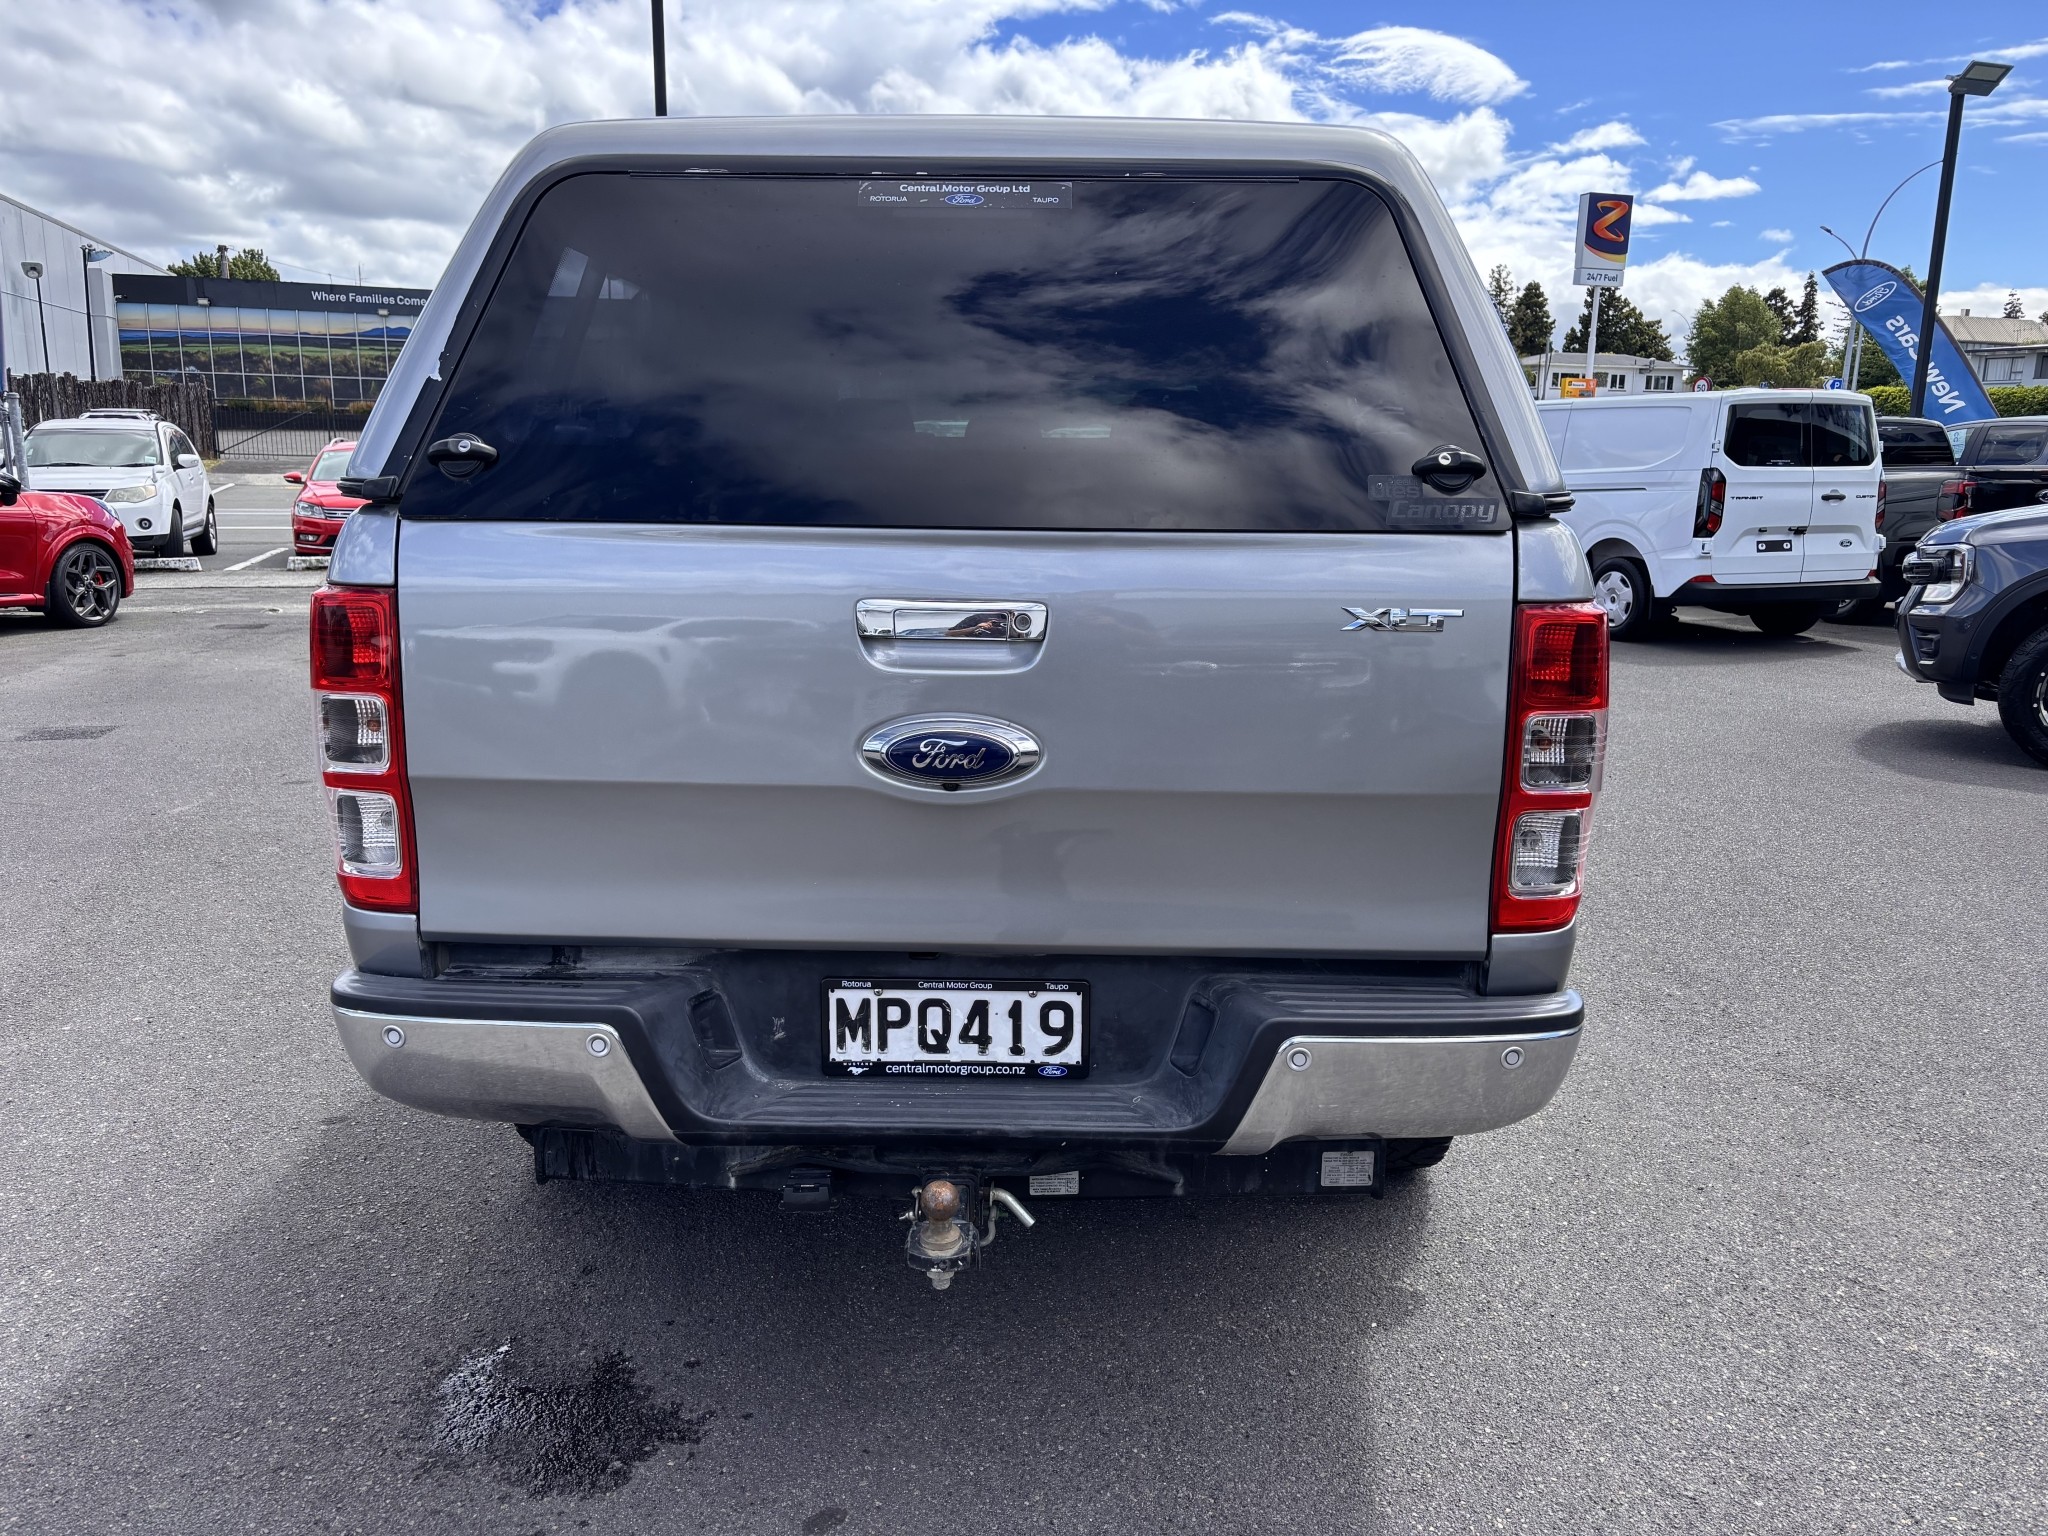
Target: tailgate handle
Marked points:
907	618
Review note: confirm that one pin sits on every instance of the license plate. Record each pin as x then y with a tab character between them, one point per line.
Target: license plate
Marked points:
1006	1030
1774	546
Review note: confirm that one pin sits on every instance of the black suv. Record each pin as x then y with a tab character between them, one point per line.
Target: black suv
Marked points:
1974	620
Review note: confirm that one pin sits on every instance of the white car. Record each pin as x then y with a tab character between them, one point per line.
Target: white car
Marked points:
144	469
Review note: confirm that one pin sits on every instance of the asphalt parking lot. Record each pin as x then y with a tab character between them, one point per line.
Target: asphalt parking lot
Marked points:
1774	1262
253	507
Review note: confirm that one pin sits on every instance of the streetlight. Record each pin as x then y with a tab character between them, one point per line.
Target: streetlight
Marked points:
33	271
88	254
1854	345
1980	77
660	62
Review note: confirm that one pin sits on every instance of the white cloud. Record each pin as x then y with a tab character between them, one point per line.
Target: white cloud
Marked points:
2016	109
1614	135
1648	215
1777	236
1395	60
1701	187
1989	299
1912	88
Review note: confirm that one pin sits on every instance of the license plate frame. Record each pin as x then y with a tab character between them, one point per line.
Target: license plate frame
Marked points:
907	1059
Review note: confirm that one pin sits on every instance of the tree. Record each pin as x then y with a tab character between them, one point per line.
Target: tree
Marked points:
249	265
1780	304
2014	309
1737	322
1803	366
1806	318
1500	287
1623	328
1530	326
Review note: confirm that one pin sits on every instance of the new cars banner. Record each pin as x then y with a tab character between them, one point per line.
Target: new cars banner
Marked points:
1603	239
1886	304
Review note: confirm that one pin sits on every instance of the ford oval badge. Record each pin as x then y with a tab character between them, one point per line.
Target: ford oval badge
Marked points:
950	753
965	199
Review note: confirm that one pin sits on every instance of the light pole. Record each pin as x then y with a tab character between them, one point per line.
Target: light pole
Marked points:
88	254
1854	345
660	62
33	271
1979	78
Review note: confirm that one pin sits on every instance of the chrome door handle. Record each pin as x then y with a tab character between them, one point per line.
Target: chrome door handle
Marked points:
908	618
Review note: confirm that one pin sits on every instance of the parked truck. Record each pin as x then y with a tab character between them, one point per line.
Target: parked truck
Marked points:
975	660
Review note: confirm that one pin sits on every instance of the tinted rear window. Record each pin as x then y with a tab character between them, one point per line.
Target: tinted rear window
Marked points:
1801	434
1909	443
2010	445
1143	354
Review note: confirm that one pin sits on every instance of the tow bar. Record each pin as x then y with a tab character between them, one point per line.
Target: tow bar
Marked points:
943	1237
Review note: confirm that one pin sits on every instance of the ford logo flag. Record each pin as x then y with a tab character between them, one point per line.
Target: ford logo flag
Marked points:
1887	305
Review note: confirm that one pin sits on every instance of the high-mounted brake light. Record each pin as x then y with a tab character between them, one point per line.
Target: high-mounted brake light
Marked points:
361	742
1557	741
1712	502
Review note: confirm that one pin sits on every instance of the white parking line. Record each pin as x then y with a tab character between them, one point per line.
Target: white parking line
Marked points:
256	560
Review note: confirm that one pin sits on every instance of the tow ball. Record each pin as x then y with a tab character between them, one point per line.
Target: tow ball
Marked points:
943	1236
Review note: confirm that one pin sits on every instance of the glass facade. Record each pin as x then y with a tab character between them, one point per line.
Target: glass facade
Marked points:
259	343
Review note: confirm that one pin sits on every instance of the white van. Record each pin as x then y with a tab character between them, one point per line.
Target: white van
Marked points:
1764	502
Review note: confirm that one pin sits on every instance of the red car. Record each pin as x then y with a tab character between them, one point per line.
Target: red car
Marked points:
317	514
65	554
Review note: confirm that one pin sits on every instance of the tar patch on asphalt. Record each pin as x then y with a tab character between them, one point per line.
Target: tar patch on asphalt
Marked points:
65	733
582	1434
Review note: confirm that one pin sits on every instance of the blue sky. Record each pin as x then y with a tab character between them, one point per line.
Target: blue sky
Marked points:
1695	81
1741	126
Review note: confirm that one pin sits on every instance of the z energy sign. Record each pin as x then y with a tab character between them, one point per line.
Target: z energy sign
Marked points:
1887	305
1603	239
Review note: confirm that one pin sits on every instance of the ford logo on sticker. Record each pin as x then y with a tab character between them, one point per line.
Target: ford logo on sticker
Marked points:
950	753
965	199
1052	1069
1876	296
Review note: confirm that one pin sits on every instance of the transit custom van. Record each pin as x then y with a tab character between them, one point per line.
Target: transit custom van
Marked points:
1765	502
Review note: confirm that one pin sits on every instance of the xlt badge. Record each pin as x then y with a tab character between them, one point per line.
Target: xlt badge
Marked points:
1422	620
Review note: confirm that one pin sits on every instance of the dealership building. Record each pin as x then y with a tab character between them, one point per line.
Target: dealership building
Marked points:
319	344
61	321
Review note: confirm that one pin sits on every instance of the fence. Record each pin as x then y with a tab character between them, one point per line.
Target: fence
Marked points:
248	432
52	396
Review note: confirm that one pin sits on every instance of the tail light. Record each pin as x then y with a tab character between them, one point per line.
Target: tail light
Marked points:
1713	501
362	746
1878	521
1557	742
1955	499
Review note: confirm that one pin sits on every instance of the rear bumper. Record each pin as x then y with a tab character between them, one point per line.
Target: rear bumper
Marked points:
1730	598
1279	1058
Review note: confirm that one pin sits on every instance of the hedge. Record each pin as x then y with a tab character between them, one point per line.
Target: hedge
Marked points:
2007	399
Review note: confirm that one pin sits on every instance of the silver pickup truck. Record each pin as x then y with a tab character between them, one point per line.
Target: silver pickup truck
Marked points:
965	659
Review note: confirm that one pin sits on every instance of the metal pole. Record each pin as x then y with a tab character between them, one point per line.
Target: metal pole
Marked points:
1928	317
1593	340
660	63
43	326
92	357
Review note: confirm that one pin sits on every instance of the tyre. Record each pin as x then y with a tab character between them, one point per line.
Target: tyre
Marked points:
1622	586
1787	618
1858	610
1405	1157
174	540
2023	696
207	540
85	588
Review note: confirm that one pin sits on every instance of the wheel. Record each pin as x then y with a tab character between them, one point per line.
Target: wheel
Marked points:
85	588
1858	610
174	540
207	540
1622	587
1410	1156
2023	696
1787	618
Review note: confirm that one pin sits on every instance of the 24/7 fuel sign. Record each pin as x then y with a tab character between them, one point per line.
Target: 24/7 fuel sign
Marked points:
1603	238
